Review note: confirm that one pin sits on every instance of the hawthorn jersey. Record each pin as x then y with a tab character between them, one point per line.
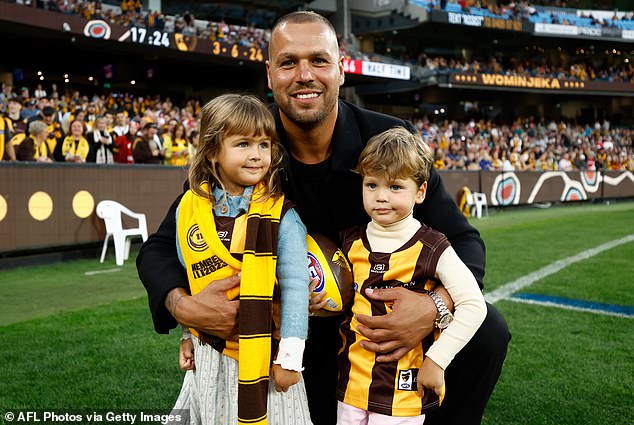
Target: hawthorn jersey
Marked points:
385	388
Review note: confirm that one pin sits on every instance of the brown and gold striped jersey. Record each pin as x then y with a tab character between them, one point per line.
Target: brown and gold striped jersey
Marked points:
385	388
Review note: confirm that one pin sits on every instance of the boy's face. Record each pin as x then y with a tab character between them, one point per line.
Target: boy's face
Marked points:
388	201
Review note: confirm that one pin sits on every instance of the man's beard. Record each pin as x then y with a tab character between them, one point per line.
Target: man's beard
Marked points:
302	119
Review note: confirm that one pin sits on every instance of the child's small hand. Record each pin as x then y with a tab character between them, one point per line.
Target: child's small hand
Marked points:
317	300
430	376
186	355
283	378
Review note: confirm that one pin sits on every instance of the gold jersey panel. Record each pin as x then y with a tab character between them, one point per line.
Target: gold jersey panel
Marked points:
386	388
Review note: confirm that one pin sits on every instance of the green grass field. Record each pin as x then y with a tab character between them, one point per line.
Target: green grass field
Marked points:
77	341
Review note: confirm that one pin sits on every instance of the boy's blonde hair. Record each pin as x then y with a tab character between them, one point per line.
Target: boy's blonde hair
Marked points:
228	115
398	154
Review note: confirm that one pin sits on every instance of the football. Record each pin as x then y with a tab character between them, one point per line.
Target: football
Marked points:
327	263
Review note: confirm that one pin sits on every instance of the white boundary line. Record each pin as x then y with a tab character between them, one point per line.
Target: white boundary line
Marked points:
506	290
101	271
569	307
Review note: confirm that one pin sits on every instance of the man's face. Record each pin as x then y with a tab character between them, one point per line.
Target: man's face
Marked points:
304	72
120	119
14	107
48	119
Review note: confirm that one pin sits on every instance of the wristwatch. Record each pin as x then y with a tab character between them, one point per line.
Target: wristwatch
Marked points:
444	317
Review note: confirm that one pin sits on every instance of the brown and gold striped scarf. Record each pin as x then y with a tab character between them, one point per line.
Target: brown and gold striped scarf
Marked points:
200	245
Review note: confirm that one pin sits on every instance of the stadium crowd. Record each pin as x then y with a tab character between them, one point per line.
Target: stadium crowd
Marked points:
130	13
123	128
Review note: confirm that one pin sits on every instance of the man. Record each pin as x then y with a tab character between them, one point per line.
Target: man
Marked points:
145	149
324	137
121	124
30	110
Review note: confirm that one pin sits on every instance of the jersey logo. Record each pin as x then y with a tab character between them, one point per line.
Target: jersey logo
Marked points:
223	235
407	379
315	271
378	268
195	239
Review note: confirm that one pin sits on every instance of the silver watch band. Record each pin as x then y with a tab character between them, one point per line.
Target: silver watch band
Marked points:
440	304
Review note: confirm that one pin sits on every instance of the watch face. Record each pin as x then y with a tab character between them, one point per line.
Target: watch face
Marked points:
444	321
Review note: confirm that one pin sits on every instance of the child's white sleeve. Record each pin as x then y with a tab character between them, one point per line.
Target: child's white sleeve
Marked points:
469	308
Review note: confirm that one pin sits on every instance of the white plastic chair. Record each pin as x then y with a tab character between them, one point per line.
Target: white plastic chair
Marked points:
111	212
480	200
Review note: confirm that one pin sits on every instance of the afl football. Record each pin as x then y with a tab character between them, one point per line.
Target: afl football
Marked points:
327	263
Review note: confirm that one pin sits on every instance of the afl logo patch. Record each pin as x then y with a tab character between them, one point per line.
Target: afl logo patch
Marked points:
315	271
97	29
195	239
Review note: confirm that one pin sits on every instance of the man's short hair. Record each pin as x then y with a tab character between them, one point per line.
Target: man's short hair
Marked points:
48	111
303	17
16	99
398	154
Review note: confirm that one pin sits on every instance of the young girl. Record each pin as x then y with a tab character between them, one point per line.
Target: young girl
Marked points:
395	249
234	219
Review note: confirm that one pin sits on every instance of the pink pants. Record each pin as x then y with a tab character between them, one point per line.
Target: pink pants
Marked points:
349	415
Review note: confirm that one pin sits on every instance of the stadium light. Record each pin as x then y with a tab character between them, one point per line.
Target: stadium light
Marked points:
66	80
65	75
41	78
133	82
90	78
39	72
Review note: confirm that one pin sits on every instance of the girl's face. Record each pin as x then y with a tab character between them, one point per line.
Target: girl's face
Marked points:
243	161
179	132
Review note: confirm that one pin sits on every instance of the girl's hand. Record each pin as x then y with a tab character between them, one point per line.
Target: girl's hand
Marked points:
186	355
432	377
283	378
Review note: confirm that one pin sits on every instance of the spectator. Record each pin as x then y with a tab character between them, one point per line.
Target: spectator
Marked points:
176	146
75	147
145	149
101	143
30	110
55	132
34	147
120	124
123	144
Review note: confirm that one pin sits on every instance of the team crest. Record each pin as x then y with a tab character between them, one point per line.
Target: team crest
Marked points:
407	379
97	29
339	259
195	239
315	271
185	43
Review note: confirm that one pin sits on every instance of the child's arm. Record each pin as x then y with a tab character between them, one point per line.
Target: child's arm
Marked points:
186	351
470	311
292	274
